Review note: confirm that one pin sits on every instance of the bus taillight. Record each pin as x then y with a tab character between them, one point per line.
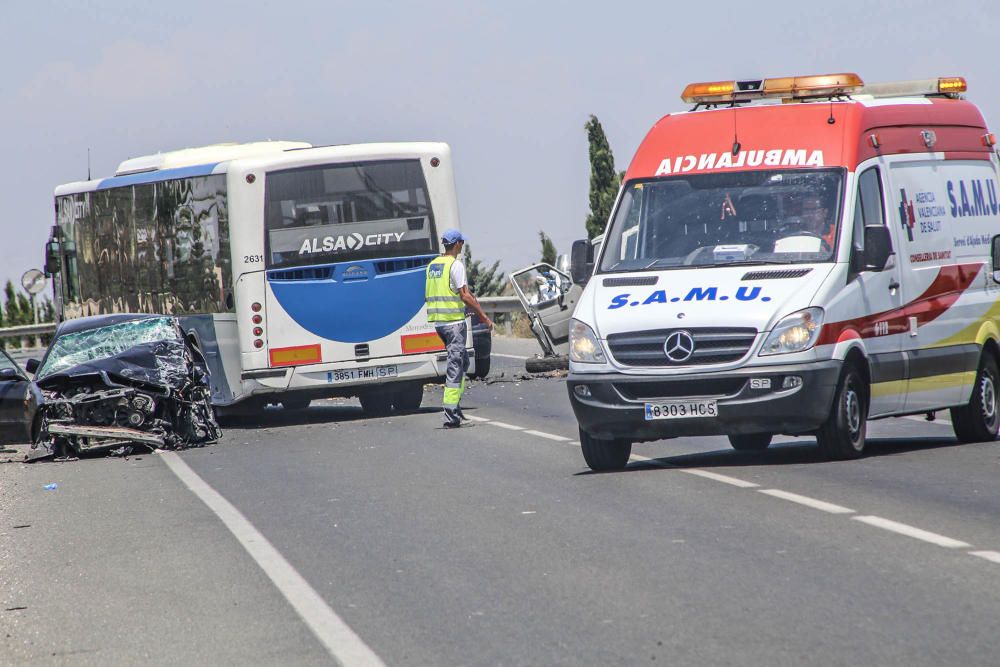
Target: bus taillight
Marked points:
255	307
258	343
258	331
257	319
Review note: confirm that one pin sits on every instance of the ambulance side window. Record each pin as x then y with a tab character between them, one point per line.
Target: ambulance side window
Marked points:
868	210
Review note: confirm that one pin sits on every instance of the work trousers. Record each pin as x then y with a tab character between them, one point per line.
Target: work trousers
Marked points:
454	334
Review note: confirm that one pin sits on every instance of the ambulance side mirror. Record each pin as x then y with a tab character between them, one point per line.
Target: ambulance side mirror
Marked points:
878	247
995	256
582	261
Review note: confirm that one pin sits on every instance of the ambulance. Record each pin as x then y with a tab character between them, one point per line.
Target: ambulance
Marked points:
795	256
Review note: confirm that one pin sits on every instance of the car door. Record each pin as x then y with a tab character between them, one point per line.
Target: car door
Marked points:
13	391
549	297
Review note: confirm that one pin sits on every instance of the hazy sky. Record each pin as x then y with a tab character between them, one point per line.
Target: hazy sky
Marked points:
508	84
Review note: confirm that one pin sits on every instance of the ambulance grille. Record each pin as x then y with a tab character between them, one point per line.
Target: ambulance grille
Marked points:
775	275
630	282
712	345
715	387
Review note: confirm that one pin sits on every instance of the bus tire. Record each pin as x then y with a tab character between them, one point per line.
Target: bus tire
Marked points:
409	397
376	404
752	442
482	367
603	455
978	420
842	436
295	403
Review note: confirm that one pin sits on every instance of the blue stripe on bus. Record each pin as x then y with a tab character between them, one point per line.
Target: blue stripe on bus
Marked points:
155	176
356	304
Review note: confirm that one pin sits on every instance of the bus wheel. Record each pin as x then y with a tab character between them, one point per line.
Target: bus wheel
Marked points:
843	434
754	442
409	396
978	421
376	404
296	403
604	454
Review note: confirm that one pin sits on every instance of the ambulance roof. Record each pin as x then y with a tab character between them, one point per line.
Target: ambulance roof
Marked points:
810	134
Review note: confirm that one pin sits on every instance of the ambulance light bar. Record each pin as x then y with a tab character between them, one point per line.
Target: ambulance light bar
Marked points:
946	85
821	85
789	87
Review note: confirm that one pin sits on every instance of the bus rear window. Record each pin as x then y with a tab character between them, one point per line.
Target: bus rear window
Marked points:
347	212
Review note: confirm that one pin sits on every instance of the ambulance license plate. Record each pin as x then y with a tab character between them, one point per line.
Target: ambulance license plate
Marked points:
681	410
362	374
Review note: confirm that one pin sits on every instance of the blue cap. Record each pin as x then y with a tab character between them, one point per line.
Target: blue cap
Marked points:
452	236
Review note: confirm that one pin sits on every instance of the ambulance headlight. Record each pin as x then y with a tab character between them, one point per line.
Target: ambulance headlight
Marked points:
794	333
584	348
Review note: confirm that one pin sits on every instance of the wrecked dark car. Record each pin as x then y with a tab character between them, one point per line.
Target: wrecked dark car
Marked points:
110	383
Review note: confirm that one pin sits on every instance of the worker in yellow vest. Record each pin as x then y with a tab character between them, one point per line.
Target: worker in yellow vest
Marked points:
447	294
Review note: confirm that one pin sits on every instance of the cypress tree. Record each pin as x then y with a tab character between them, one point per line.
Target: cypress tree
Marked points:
604	180
548	249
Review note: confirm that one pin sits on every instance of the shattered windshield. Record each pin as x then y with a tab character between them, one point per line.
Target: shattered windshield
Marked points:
83	347
752	217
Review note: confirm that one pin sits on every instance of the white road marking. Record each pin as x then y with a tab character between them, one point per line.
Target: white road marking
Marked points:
911	531
725	479
821	505
475	419
340	641
549	436
992	556
506	425
508	356
943	421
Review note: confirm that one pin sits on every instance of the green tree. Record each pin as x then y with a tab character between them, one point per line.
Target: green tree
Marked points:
12	309
548	249
604	180
482	281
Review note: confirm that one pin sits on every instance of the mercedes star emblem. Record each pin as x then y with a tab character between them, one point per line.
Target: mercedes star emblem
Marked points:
679	346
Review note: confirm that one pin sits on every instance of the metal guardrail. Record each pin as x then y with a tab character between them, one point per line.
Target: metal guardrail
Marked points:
491	304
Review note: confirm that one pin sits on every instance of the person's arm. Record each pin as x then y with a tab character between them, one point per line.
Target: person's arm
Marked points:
470	300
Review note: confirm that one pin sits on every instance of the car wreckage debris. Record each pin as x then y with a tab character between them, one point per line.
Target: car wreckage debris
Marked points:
148	386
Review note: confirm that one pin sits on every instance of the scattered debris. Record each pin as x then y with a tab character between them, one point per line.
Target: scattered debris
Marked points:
51	487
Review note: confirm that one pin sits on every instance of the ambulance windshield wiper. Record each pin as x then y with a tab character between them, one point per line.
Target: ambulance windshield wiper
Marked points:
739	262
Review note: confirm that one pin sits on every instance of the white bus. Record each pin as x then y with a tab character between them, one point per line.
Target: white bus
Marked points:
301	269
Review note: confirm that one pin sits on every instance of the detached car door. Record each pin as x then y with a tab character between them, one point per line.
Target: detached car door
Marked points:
13	392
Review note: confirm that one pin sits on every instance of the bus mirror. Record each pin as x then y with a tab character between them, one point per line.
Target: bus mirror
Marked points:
878	247
995	256
582	261
53	261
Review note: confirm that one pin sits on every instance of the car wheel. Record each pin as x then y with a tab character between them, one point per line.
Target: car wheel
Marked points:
978	421
376	404
409	397
843	434
546	364
753	442
604	454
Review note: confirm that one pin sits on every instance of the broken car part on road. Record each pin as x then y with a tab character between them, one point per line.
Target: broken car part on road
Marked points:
109	383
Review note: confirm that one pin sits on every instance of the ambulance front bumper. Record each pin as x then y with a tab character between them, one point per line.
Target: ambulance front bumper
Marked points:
748	400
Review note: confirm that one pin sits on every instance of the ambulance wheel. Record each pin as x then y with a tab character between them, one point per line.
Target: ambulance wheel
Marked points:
376	404
754	442
843	434
295	403
978	421
409	397
603	455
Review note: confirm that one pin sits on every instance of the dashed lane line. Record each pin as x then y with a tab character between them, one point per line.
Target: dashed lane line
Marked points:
508	356
942	421
912	531
822	505
340	641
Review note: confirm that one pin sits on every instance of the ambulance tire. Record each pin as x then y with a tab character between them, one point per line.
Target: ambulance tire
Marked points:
978	421
843	434
603	455
753	442
409	397
376	404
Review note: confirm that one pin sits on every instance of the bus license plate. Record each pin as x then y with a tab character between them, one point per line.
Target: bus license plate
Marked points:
362	374
681	410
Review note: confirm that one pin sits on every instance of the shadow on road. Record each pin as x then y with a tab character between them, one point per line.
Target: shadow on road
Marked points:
272	417
792	453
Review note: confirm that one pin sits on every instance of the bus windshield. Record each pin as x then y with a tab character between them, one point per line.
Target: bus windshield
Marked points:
752	217
347	212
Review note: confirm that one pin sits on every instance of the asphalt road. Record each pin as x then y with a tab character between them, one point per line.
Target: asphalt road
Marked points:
391	540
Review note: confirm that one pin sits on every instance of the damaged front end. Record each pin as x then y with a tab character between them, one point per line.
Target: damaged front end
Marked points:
134	383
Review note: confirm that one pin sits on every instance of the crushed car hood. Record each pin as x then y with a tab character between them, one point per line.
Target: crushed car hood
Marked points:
161	363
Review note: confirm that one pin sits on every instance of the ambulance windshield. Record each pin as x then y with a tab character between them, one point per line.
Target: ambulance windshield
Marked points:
750	217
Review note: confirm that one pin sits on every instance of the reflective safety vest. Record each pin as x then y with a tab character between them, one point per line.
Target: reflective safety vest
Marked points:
443	305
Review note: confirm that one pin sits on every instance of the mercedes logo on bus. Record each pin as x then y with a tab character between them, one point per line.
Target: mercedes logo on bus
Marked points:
679	346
